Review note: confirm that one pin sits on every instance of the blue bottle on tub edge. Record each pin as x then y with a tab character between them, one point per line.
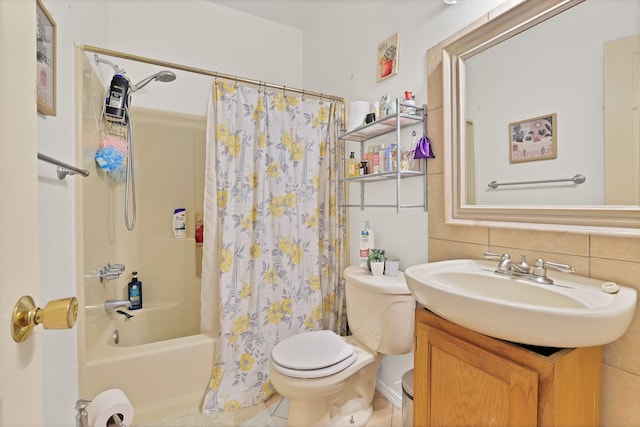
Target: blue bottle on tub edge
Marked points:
135	292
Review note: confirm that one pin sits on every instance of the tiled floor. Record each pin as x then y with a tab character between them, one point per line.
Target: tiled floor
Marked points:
273	413
384	413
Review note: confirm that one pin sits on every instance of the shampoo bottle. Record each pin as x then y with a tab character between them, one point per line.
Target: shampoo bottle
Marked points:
180	223
366	243
135	292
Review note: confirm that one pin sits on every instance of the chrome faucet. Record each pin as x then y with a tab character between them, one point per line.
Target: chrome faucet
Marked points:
113	304
506	265
522	270
110	272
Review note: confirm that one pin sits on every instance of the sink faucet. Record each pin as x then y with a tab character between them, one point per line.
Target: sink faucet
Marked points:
522	270
506	265
113	304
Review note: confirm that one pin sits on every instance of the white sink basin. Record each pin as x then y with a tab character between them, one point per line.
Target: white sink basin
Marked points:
572	312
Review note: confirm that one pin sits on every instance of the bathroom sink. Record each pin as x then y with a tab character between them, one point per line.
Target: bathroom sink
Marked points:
574	311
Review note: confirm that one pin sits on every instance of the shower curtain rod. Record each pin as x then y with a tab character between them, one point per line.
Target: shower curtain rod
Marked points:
215	74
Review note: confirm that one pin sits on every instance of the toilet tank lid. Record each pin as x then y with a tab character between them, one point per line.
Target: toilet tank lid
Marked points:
362	277
311	350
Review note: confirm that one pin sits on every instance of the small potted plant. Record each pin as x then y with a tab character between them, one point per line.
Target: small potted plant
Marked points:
376	261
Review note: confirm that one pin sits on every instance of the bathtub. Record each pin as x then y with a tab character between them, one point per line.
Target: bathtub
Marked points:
163	366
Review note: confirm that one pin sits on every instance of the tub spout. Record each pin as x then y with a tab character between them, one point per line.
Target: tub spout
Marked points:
113	304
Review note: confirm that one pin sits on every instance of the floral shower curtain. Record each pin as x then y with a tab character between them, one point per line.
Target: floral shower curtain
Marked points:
273	249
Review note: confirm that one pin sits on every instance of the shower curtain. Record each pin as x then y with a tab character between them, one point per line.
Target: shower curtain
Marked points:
273	248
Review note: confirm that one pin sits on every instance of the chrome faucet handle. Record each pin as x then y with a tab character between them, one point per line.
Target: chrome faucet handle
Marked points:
541	267
106	274
118	267
506	265
492	255
111	271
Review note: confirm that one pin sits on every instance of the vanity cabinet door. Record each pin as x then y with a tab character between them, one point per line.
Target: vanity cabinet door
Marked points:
464	385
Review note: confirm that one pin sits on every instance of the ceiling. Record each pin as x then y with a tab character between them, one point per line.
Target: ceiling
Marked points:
293	13
303	13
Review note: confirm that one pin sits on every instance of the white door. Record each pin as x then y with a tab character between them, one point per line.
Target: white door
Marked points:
622	121
20	363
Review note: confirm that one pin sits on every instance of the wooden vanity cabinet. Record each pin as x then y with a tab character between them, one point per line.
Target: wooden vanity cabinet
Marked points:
463	378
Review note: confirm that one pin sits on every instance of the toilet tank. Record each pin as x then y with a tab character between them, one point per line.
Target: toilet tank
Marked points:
380	310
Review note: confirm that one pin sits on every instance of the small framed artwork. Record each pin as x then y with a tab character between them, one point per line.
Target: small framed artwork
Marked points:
533	139
388	58
46	60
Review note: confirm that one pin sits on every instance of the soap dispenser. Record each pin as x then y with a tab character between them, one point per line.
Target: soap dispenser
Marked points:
135	292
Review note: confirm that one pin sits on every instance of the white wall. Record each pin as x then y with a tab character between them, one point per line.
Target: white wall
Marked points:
338	57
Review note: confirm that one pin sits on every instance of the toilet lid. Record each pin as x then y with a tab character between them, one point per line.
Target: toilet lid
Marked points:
317	373
311	350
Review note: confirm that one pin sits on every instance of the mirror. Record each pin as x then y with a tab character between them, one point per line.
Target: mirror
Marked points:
538	106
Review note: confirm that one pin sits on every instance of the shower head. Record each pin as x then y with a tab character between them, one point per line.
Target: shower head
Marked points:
161	76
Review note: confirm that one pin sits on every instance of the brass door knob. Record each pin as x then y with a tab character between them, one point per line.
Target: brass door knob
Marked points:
57	314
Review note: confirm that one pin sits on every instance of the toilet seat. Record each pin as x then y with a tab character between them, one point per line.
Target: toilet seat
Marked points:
312	355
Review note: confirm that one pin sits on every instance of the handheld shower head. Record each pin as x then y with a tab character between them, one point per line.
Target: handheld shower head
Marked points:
161	76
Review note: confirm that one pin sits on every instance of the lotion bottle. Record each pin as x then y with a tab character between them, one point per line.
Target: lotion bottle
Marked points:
135	292
366	243
352	166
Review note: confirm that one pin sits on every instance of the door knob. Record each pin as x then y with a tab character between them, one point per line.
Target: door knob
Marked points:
57	314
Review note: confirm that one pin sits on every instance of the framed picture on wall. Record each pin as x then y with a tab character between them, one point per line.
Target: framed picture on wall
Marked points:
46	60
533	139
388	57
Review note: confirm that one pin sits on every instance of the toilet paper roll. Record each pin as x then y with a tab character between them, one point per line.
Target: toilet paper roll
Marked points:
356	113
108	403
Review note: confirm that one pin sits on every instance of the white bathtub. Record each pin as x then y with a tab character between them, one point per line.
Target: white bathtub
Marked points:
155	322
161	375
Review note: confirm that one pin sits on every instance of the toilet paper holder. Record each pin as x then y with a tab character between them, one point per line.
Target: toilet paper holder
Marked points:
82	417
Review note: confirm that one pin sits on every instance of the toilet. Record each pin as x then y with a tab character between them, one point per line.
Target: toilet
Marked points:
330	380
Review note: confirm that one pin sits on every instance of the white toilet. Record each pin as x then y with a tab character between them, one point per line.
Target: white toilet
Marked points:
330	380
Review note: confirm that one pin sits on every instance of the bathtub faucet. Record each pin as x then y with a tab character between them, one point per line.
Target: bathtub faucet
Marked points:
110	272
113	304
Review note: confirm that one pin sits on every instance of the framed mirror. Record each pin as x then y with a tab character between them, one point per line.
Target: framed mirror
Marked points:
542	117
